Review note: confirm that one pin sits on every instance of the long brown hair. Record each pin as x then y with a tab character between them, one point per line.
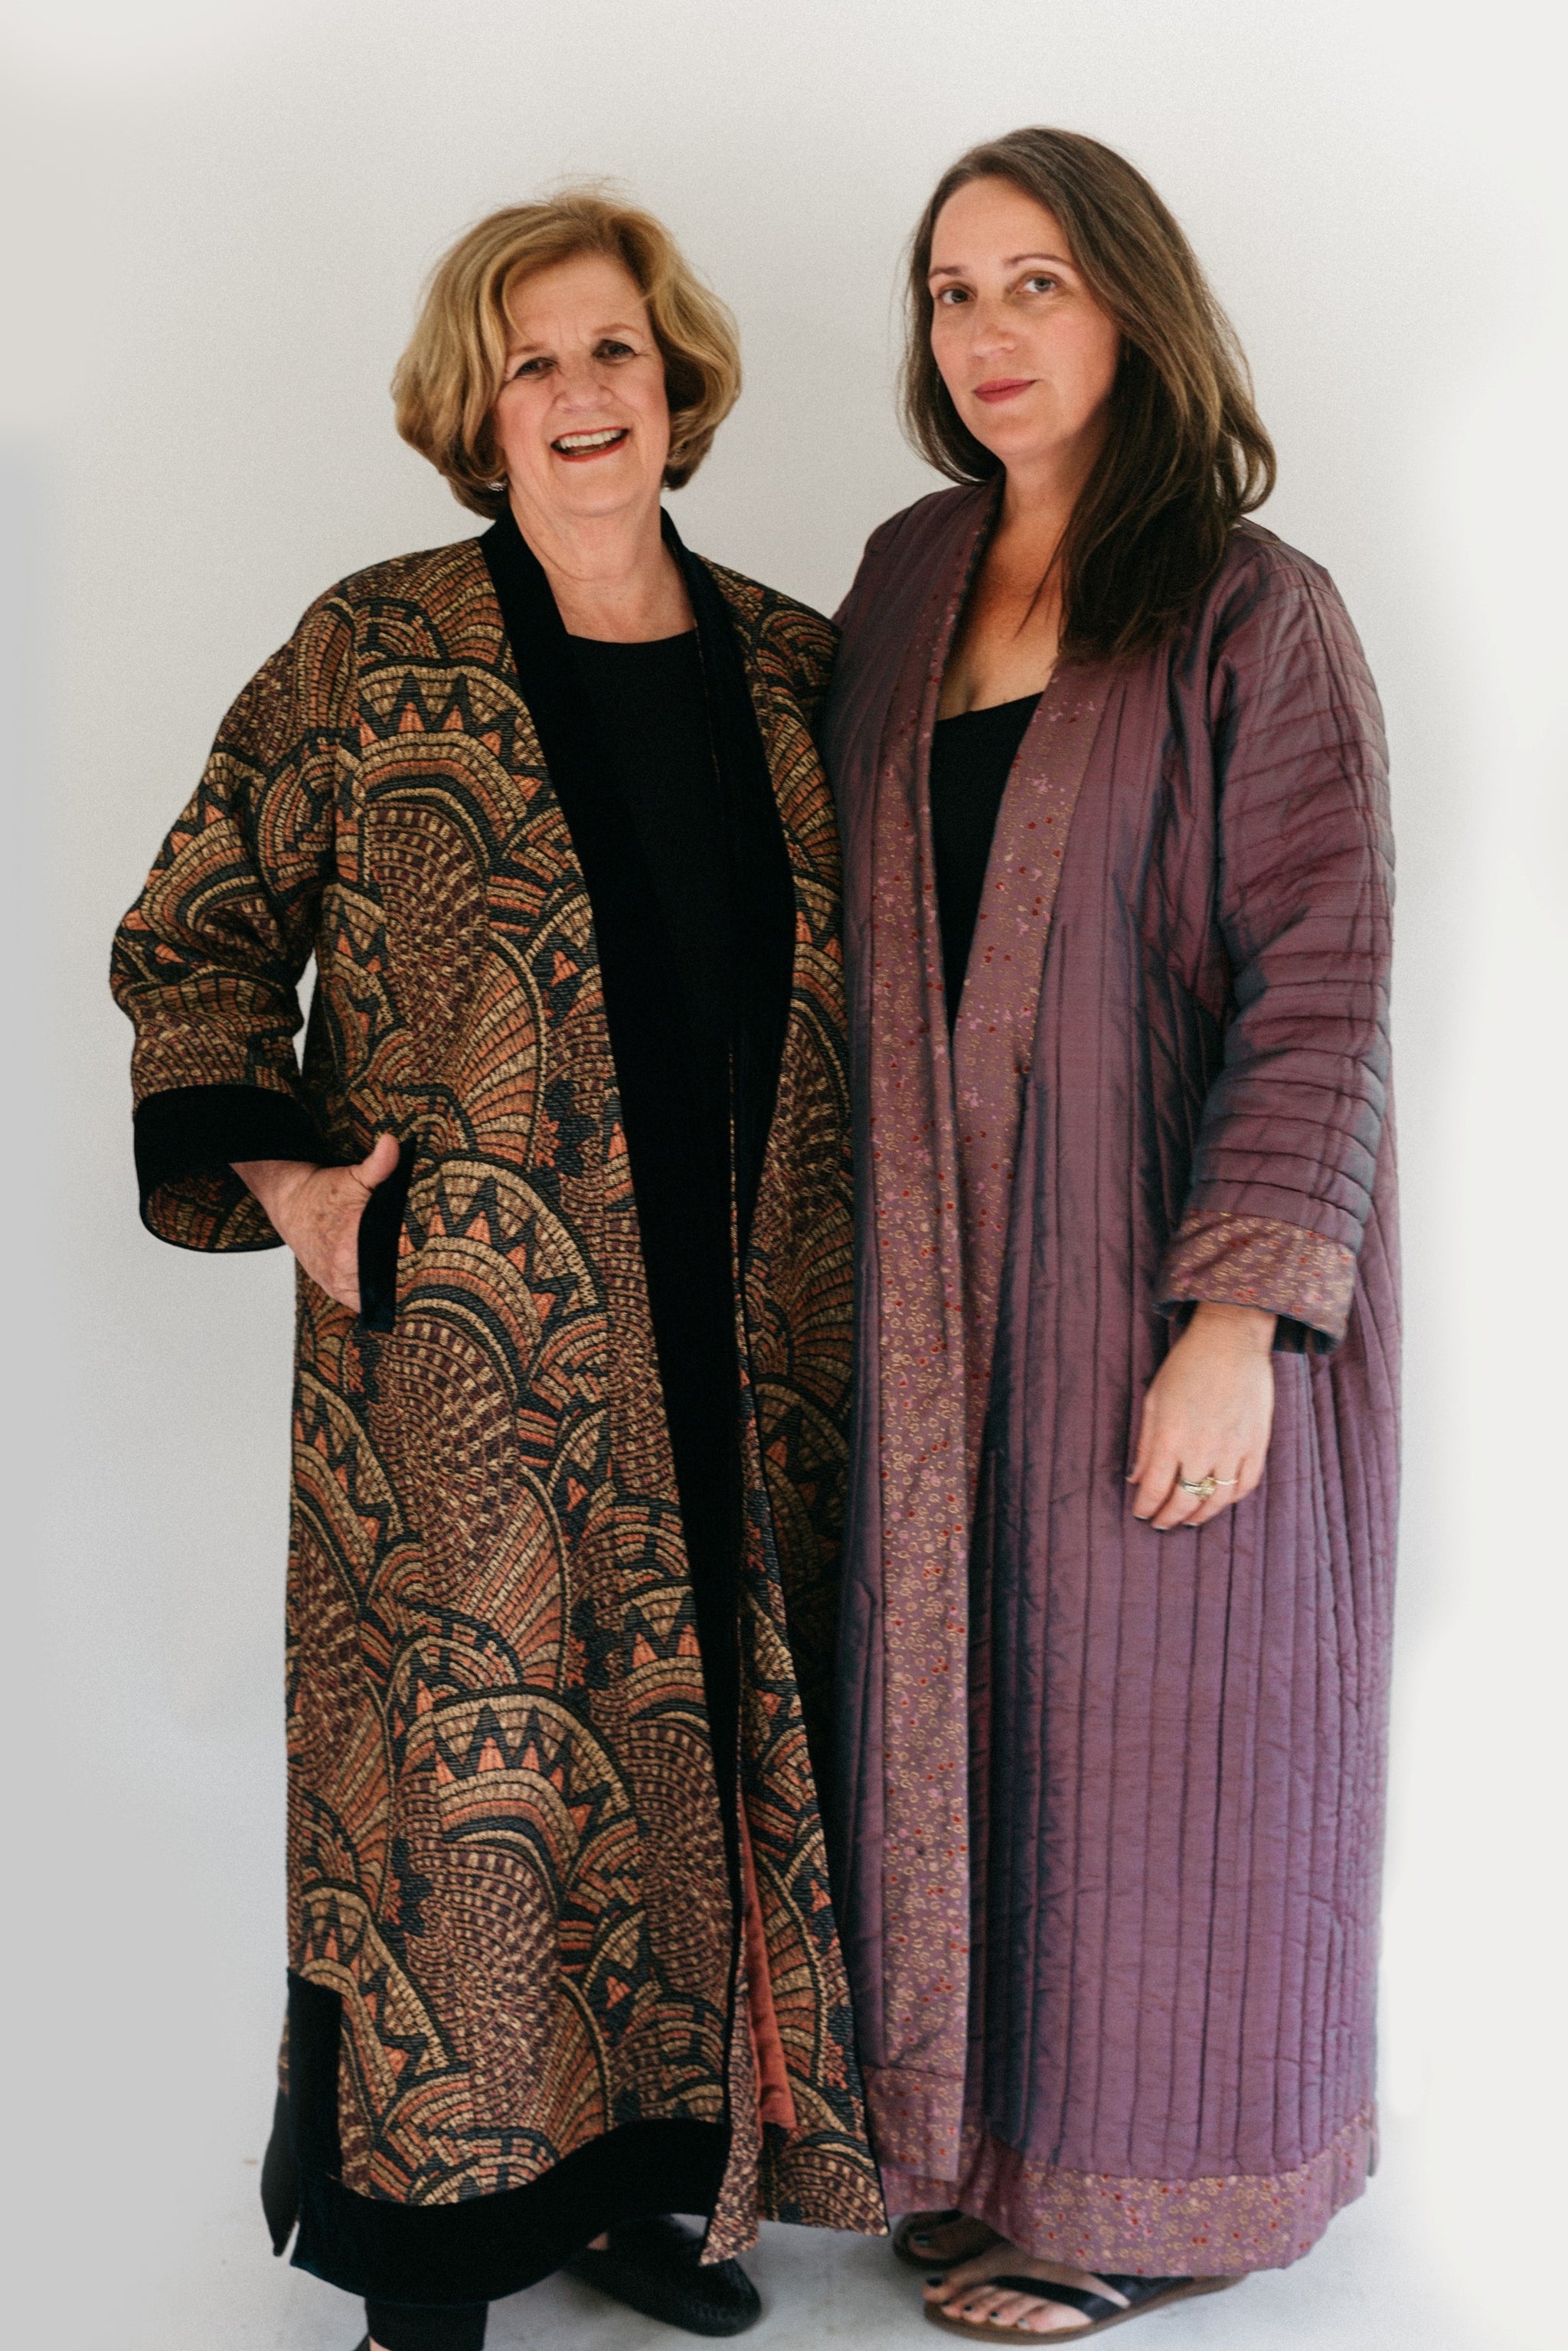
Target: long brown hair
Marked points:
1187	454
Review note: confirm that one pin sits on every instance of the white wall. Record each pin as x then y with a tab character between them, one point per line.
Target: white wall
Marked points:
218	217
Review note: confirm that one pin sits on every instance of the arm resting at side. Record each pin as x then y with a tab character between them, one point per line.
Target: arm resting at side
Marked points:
1287	1150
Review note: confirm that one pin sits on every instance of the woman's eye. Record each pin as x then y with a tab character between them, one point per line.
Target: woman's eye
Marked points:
951	297
613	350
1040	283
529	367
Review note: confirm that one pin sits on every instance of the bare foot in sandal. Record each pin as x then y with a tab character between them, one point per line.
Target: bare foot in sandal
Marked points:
1003	2293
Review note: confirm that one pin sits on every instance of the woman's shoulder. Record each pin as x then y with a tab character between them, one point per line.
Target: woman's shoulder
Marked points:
430	580
774	627
911	547
1262	575
1272	630
917	533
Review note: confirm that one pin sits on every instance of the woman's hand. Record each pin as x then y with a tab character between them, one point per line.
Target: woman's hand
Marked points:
1207	1413
317	1211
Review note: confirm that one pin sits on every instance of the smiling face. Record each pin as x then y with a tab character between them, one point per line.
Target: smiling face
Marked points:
581	420
1025	352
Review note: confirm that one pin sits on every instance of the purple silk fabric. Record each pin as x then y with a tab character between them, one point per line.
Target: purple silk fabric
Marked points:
1114	1799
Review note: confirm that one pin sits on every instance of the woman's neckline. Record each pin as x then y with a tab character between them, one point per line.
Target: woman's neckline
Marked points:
990	710
633	644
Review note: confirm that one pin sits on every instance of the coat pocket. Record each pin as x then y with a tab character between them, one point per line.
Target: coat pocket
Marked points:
380	1230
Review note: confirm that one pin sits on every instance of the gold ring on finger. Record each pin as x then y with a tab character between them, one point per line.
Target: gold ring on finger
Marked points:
1205	1487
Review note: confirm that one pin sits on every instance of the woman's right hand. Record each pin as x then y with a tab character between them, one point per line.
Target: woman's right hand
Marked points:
317	1210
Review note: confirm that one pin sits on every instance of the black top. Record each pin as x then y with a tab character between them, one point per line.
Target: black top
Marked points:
650	711
971	758
670	1004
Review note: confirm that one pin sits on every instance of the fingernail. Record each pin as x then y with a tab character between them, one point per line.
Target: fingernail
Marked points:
938	2280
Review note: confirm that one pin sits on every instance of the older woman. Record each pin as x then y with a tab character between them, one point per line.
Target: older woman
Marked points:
1111	781
565	1172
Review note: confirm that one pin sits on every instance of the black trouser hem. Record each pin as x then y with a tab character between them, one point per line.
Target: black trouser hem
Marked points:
409	2326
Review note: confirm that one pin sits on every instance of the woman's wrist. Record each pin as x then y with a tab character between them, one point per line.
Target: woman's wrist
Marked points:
1249	1329
274	1182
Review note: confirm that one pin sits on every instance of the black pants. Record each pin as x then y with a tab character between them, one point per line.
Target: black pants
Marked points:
406	2327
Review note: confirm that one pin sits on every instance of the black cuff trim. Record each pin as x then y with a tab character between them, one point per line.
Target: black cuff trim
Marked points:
201	1130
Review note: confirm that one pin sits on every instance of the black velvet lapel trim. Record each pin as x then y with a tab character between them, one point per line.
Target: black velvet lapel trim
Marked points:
755	842
484	2247
761	864
188	1130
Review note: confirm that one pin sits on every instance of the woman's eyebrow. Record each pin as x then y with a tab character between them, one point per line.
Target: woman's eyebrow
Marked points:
1013	261
616	326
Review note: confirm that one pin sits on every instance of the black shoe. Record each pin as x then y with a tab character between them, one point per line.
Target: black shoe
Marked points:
653	2266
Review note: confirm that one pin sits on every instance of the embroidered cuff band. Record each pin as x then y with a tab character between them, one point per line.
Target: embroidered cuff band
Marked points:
1231	1260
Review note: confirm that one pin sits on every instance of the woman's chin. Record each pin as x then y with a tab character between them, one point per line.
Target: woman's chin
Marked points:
594	492
1013	439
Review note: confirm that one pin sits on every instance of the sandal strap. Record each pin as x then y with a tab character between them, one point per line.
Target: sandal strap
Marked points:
1134	2289
1073	2297
1139	2289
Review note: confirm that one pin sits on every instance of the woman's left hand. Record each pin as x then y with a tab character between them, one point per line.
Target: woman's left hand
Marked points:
1207	1413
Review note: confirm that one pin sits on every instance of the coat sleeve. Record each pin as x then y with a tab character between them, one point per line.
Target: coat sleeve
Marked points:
207	962
1287	1148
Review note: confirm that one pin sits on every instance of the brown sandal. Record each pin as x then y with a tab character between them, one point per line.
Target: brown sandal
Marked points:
929	2264
1134	2297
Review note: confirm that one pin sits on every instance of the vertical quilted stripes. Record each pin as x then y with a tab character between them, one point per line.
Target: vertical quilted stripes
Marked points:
1176	1742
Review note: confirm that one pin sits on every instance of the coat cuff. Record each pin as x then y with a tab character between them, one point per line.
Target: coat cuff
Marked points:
1220	1258
186	1138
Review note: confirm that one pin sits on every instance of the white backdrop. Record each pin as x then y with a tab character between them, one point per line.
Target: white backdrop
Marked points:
217	219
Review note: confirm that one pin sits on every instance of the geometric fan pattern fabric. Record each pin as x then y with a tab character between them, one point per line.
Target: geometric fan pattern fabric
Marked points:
505	1847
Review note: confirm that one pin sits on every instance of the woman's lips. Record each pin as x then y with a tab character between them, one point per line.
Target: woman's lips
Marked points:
580	448
1005	387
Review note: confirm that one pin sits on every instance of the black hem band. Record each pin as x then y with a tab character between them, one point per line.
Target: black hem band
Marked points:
482	2248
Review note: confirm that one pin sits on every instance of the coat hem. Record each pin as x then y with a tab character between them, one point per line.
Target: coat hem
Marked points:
482	2248
1215	2227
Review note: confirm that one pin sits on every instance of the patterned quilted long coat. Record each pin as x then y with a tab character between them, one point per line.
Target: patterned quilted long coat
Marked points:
519	2004
1115	1798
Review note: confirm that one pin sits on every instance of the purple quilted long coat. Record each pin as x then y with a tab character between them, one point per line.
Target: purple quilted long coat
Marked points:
1114	1799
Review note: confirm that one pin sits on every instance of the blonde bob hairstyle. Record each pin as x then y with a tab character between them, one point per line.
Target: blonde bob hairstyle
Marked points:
448	380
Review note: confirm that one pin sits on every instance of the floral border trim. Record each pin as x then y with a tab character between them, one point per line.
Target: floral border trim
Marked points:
1217	2227
1233	1260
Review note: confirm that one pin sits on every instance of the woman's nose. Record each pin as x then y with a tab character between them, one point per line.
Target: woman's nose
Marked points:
579	379
991	327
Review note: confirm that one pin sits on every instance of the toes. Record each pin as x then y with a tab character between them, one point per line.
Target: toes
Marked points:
994	2305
